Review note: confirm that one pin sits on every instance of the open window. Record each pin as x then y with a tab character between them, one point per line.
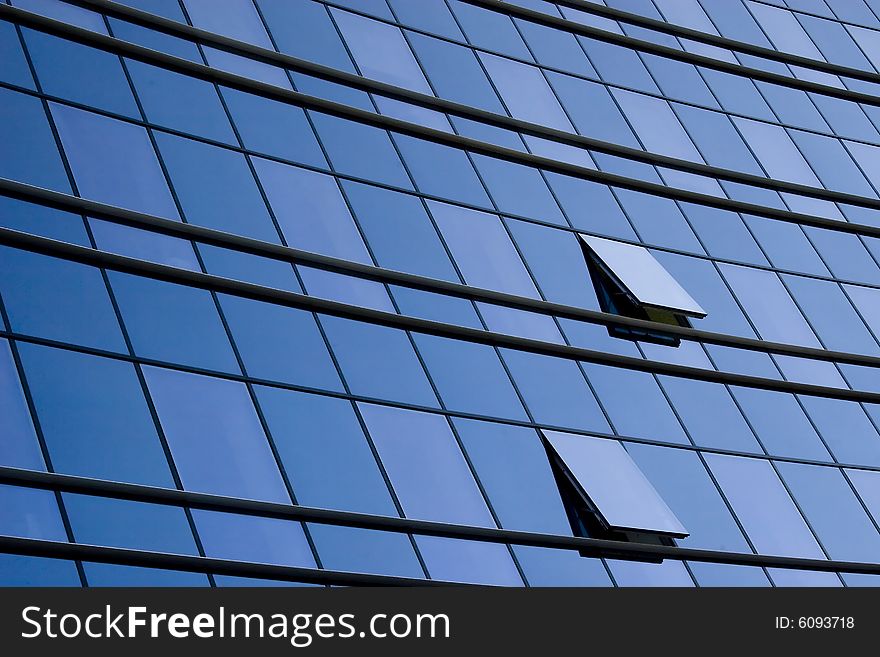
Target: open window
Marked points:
630	282
606	495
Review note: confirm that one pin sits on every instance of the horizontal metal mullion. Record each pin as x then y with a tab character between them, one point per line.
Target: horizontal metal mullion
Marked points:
141	53
222	285
260	248
34	547
595	547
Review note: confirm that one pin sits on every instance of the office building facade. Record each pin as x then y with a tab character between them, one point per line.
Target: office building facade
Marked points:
282	282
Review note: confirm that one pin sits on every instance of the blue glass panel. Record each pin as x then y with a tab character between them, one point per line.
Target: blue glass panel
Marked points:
216	188
656	125
723	234
245	267
433	482
763	507
710	414
238	20
380	51
58	299
113	162
556	259
143	244
682	481
792	107
834	512
324	451
737	94
13	66
555	391
769	305
94	417
279	343
250	538
62	11
831	315
635	404
633	573
469	377
274	128
590	206
850	435
519	189
173	322
42	220
592	109
153	39
832	163
786	245
624	499
360	150
426	466
717	139
120	523
215	436
867	301
19	448
442	171
525	92
180	102
304	29
844	254
382	553
659	221
311	211
776	152
30	513
431	15
399	231
482	249
29	152
619	65
378	362
555	48
780	423
455	73
80	73
679	80
490	30
16	570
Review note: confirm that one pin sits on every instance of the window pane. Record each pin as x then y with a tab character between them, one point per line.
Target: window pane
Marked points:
29	153
643	276
215	436
469	377
555	391
79	73
380	51
58	299
19	449
173	322
626	499
763	507
377	361
216	188
274	128
482	249
279	343
94	417
180	102
113	162
433	482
